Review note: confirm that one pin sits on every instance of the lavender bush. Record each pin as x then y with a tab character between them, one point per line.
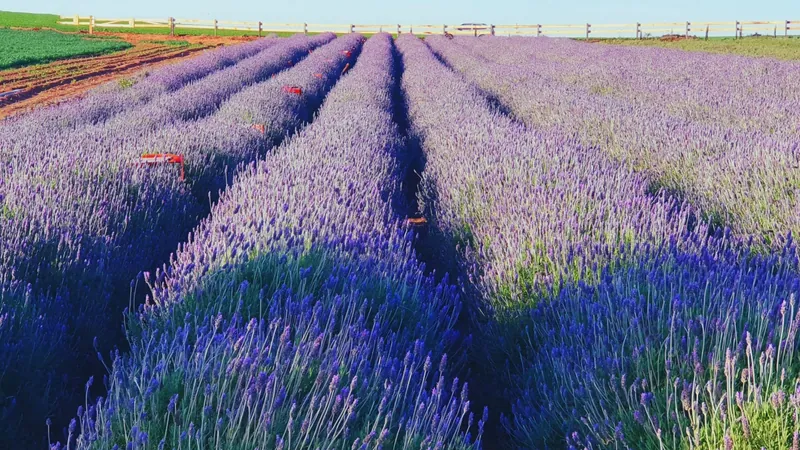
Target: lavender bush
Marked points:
106	158
523	209
113	98
257	118
175	76
34	390
191	102
96	223
732	91
744	178
679	351
682	340
297	316
625	236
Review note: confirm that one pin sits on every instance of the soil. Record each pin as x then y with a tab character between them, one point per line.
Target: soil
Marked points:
675	37
30	87
135	38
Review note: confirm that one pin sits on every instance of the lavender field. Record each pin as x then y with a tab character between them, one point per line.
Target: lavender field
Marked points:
378	243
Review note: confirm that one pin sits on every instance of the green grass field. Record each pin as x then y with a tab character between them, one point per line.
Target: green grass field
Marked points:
20	48
770	47
30	20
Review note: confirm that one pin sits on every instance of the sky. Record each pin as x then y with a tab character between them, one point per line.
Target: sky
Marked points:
425	11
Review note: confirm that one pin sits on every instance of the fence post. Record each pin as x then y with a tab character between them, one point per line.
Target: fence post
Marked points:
444	29
352	28
132	22
77	21
398	29
638	30
588	30
492	29
538	30
172	26
786	30
707	32
305	28
91	24
216	26
736	35
688	28
260	28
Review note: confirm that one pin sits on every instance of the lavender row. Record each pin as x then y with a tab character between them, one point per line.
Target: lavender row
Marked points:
106	169
253	120
753	94
527	210
175	76
678	350
297	315
258	117
681	340
743	179
97	221
115	97
107	159
191	102
118	191
200	99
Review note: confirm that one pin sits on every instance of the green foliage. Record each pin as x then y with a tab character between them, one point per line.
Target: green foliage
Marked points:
28	20
125	83
20	48
753	426
7	212
601	90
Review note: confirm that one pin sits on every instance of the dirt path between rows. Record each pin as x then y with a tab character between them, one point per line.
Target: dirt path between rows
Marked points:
30	87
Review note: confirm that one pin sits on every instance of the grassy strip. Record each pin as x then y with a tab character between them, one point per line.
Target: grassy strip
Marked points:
781	48
30	20
178	31
20	48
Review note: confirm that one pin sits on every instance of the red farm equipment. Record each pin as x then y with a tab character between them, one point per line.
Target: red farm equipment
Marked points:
158	159
297	90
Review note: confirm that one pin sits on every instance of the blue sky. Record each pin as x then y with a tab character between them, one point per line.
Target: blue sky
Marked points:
426	11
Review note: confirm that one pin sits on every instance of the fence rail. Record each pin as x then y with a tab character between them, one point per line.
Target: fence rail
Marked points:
587	30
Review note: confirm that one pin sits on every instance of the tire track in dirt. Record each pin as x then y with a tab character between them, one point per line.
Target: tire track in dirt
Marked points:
31	74
61	80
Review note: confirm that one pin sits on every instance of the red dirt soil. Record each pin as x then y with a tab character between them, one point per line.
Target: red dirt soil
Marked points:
55	82
674	37
135	38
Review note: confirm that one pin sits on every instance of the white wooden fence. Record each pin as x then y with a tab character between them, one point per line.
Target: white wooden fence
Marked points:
587	30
